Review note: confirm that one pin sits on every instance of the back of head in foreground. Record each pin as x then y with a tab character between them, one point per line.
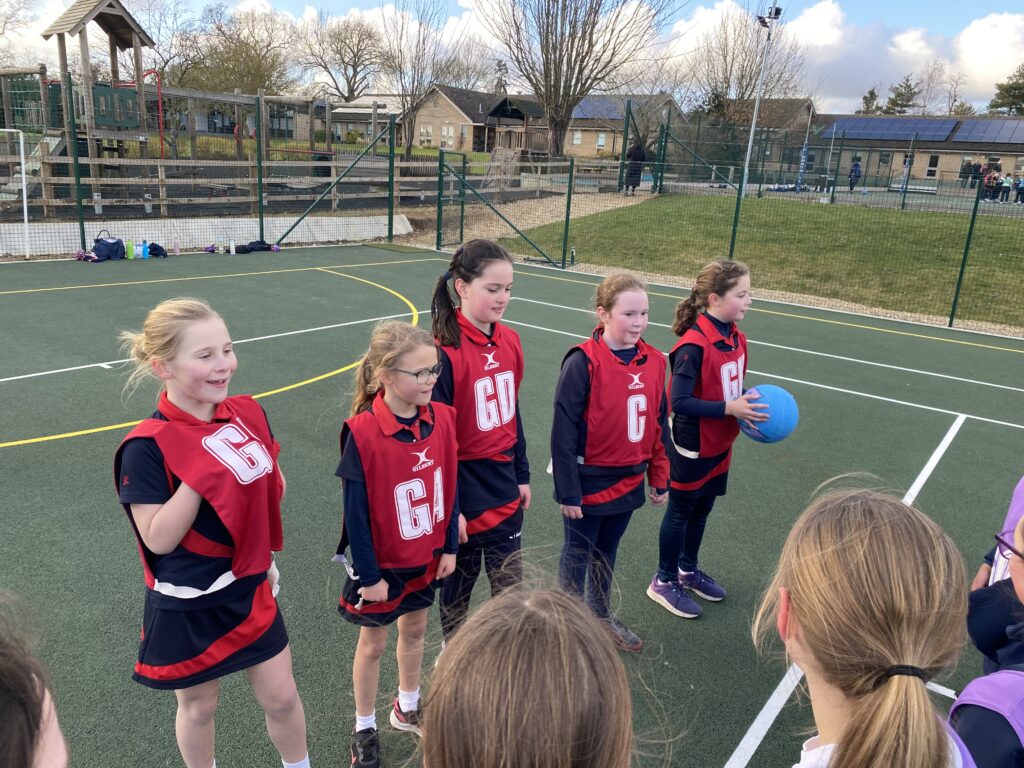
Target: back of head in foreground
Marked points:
30	736
530	681
870	599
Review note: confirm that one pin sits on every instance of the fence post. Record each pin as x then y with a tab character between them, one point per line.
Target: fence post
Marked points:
440	200
69	106
625	143
906	175
736	218
568	210
462	200
259	163
835	174
967	250
391	178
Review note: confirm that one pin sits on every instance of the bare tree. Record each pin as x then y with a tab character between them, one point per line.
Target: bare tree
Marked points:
248	50
171	24
345	54
933	87
653	84
14	15
727	62
473	65
414	57
953	96
565	49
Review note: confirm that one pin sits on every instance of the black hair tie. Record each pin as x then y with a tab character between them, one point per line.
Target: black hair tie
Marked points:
900	669
447	276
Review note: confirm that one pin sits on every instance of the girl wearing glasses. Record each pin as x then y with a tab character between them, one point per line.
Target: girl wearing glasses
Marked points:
868	631
989	713
483	368
398	478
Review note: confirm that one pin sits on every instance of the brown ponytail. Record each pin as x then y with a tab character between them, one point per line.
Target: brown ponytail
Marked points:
467	264
718	277
874	584
389	341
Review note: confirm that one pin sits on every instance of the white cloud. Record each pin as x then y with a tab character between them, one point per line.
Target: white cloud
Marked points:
911	47
820	26
987	51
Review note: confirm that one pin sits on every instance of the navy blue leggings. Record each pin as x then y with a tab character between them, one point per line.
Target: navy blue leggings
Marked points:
682	530
500	555
588	557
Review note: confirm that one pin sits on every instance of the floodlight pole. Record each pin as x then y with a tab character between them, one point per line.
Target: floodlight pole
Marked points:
24	183
766	21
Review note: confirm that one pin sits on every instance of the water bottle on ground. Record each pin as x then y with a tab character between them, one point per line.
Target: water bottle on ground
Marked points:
145	249
176	247
231	246
129	249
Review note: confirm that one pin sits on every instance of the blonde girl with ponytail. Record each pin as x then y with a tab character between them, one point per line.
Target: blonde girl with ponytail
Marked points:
869	599
398	476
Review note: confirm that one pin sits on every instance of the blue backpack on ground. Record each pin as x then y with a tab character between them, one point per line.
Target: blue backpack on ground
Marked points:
107	248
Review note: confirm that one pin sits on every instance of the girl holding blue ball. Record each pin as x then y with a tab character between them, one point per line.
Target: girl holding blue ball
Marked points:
708	364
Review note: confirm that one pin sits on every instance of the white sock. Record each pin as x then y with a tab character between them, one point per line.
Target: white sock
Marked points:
303	763
370	721
408	702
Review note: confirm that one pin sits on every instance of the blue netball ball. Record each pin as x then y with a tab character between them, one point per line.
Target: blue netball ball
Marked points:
783	414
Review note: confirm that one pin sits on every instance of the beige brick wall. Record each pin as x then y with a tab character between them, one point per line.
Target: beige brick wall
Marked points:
588	143
439	120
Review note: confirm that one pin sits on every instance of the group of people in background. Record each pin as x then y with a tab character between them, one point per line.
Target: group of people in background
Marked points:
435	485
996	187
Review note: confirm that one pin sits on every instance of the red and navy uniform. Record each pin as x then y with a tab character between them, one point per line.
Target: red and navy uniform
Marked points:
610	413
401	507
708	363
607	431
209	609
480	378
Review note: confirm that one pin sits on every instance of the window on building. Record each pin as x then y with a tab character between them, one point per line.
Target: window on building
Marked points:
600	140
1019	165
884	158
464	132
933	166
426	135
577	138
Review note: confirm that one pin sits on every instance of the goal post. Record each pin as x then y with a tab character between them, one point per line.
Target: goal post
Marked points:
24	187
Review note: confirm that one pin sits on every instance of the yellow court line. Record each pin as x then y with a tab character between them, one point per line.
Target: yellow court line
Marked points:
843	323
211	277
321	377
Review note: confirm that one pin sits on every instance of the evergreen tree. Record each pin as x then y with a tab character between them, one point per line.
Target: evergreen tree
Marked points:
1010	94
902	96
869	102
962	108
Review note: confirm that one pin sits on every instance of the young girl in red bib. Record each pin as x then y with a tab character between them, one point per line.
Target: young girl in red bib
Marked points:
202	489
607	433
483	368
398	476
708	364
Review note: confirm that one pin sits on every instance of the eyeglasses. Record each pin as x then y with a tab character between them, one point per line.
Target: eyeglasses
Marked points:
423	375
1004	548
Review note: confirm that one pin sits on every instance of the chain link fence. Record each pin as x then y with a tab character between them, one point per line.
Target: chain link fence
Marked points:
885	230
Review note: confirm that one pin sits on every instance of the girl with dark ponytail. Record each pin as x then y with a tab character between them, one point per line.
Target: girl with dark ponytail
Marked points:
482	370
707	365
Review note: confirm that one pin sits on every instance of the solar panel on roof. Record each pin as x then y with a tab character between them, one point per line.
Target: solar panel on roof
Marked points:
894	128
993	131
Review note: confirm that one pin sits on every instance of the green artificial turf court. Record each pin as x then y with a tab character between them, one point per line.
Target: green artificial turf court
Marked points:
875	396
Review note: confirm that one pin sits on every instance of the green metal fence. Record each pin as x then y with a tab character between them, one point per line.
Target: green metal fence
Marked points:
938	247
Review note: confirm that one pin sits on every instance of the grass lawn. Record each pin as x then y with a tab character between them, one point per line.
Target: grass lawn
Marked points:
907	261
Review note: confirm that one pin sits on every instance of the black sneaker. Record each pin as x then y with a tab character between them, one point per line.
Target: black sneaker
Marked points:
366	749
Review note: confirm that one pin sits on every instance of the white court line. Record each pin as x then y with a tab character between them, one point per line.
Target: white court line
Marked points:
770	711
813	352
111	363
815	385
